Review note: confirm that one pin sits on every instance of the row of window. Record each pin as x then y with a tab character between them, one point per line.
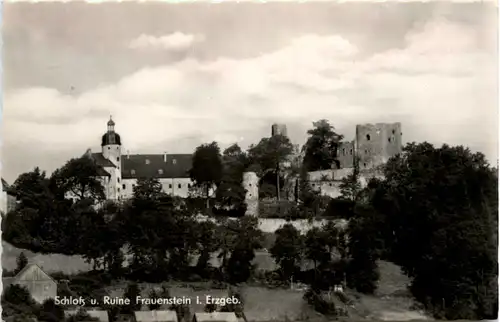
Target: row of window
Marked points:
179	186
160	171
368	135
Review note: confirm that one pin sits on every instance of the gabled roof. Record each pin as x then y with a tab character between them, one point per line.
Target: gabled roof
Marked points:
99	314
42	276
156	316
5	185
101	160
155	166
216	317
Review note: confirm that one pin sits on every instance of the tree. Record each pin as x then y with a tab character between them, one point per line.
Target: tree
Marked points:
316	247
270	154
241	239
321	146
131	292
230	194
153	295
363	248
206	171
206	237
440	205
18	295
80	178
51	312
350	188
308	198
287	250
22	261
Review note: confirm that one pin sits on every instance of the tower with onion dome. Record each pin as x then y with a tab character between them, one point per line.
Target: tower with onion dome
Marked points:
111	150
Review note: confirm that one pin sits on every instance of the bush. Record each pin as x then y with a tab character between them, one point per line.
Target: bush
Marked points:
339	208
319	304
275	208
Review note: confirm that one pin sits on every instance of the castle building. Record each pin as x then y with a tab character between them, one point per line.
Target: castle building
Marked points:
278	129
119	172
373	145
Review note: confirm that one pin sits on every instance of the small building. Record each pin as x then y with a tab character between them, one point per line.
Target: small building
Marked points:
156	316
38	283
215	317
7	198
96	314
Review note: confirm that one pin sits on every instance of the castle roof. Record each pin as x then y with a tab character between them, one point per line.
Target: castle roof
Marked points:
156	166
111	137
100	160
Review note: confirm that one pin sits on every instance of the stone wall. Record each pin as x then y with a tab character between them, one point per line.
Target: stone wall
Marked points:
345	154
251	185
377	143
270	225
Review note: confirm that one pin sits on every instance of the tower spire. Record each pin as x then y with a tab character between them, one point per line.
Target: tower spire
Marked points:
111	124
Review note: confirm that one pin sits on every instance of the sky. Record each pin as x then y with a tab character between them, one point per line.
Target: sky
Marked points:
174	76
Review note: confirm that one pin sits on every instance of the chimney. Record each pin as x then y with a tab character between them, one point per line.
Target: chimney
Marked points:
128	154
165	157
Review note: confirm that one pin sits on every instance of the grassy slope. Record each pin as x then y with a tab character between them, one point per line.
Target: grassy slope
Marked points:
49	262
391	302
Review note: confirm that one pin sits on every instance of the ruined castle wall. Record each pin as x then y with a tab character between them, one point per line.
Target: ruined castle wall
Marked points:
251	185
377	143
345	154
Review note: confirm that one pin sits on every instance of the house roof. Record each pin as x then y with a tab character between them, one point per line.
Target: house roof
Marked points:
5	185
156	316
99	314
216	317
41	276
136	166
101	160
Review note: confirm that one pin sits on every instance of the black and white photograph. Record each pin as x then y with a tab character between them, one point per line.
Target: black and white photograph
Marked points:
195	161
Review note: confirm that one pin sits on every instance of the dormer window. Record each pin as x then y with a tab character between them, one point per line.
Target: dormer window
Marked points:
160	171
132	172
147	161
174	161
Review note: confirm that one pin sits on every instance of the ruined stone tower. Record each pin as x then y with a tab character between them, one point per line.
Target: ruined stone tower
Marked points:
278	129
376	143
251	185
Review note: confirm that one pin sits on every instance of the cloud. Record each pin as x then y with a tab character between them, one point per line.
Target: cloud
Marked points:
177	41
440	85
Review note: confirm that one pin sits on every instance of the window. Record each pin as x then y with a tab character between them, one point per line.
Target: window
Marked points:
147	161
123	186
132	172
160	171
118	189
350	151
170	186
118	180
109	148
179	186
393	132
249	184
389	139
343	151
364	165
189	185
368	137
174	161
366	151
118	159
